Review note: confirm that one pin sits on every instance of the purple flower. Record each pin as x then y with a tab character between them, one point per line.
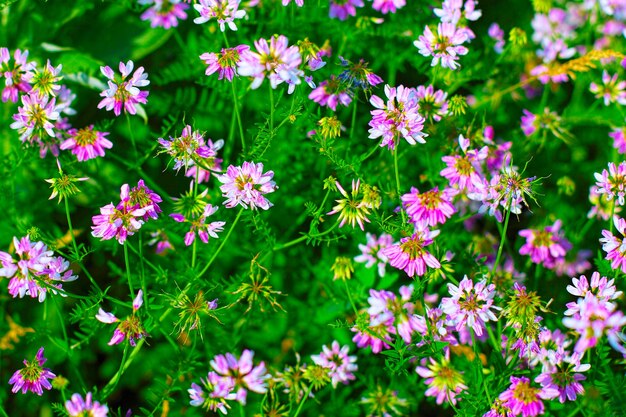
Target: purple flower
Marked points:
388	6
465	170
429	208
561	374
341	365
241	374
398	117
614	246
141	197
247	186
17	74
445	46
410	254
612	183
372	252
165	13
225	62
524	399
431	104
218	391
86	143
130	328
546	246
619	139
34	120
77	407
610	91
224	11
444	382
33	377
275	60
341	9
497	34
330	93
200	226
122	92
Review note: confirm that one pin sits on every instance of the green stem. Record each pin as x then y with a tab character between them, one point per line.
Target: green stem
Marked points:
345	283
502	240
395	165
271	110
238	115
302	238
219	249
354	108
62	321
142	276
2	412
130	282
132	137
126	362
306	395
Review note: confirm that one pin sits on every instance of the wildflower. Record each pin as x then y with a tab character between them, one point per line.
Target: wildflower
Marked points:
610	91
224	11
225	62
330	127
614	246
545	246
458	105
431	104
464	170
562	373
531	123
342	268
470	305
445	46
64	185
341	366
218	392
351	209
77	407
497	34
523	399
119	221
429	208
86	143
44	81
275	60
330	93
373	252
388	6
381	402
161	240
358	76
130	328
17	75
122	92
612	183
242	373
600	287
33	377
410	254
341	9
198	225
398	117
164	13
444	382
247	185
602	205
453	10
34	120
317	376
619	139
144	198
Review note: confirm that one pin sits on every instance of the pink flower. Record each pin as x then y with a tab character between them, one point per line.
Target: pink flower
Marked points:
465	170
225	62
445	46
610	91
444	382
431	104
562	374
602	206
218	392
388	6
470	305
497	34
241	374
34	120
341	365
410	254
225	11
372	252
612	183
33	377
523	399
275	60
130	328
619	139
614	246
122	92
77	407
17	74
341	9
165	13
86	143
330	93
397	117
200	226
429	208
545	246
247	186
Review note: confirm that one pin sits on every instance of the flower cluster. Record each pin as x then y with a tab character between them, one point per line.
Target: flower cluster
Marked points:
123	92
546	246
340	365
164	13
33	377
224	11
130	328
247	185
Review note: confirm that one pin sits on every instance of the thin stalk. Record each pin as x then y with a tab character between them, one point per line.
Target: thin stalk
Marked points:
306	395
76	253
130	282
271	110
132	137
395	165
62	321
502	240
126	362
238	115
219	249
354	108
345	283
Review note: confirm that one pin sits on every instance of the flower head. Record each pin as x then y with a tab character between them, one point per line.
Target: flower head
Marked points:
241	373
86	143
428	208
546	246
130	328
79	407
612	183
471	304
610	91
410	254
224	11
444	382
388	6
45	81
330	93
372	252
341	365
522	398
165	13
247	186
445	46
33	377
351	208
17	74
341	9
225	63
34	122
123	92
200	226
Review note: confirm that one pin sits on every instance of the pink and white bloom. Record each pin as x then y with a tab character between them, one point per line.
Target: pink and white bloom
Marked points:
123	92
445	46
200	225
341	9
341	365
86	143
612	183
611	91
225	63
34	119
431	104
388	6
33	377
241	374
164	13
17	74
444	382
410	254
76	406
428	208
330	93
224	11
614	246
130	328
372	252
247	186
545	246
522	398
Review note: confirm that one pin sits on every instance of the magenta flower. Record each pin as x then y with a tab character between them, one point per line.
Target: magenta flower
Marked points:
164	13
336	359
77	407
410	254
612	183
162	242
225	62
275	60
86	143
602	206
241	374
396	118
610	91
330	93
372	252
614	246
247	186
218	390
465	170
124	93
17	74
200	225
34	119
444	382
562	374
524	399
299	3
429	208
546	246
445	46
33	377
224	11
130	328
341	9
388	6
619	139
600	287
144	198
496	33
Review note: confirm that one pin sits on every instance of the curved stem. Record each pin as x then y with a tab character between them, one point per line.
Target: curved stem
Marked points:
238	116
345	283
126	361
271	110
395	165
130	282
219	249
502	240
306	395
132	137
